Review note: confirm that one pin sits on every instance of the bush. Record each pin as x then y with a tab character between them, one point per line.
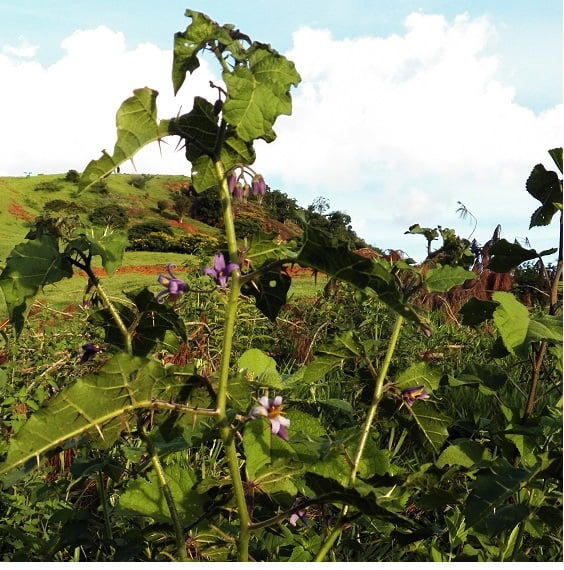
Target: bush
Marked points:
72	176
139	180
47	187
109	215
100	187
247	224
63	206
163	205
152	226
192	244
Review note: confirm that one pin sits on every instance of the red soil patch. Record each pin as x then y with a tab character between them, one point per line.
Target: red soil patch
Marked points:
294	271
188	228
15	210
144	269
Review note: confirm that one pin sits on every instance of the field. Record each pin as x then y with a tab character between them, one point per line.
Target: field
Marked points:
283	393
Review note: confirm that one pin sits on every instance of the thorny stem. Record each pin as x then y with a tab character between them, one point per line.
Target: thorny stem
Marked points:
104	504
107	303
167	493
225	430
376	397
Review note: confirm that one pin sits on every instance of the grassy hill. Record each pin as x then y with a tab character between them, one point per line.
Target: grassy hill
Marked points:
23	199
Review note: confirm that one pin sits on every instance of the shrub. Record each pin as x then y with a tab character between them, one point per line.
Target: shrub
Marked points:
151	226
110	215
47	187
139	180
63	206
192	244
163	205
100	187
247	224
72	176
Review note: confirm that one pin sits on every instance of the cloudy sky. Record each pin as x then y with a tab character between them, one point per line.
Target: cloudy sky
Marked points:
406	107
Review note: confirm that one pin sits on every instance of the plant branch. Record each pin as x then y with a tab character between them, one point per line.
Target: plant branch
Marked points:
225	430
167	493
376	397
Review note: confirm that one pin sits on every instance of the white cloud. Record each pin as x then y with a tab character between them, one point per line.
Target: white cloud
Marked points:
395	130
23	50
62	116
392	130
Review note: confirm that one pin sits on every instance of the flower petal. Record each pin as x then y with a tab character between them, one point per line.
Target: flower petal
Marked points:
258	411
264	402
284	421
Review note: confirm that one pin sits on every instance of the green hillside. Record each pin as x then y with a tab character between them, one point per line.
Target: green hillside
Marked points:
24	199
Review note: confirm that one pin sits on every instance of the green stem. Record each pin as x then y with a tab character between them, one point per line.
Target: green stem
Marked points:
376	397
167	493
105	300
115	315
225	430
104	504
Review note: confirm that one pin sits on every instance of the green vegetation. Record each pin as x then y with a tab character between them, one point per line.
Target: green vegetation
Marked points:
214	412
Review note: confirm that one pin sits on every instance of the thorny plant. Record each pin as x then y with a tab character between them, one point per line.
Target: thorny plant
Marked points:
275	463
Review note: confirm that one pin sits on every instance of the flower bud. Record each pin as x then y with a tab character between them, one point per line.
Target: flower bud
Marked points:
238	191
258	185
231	181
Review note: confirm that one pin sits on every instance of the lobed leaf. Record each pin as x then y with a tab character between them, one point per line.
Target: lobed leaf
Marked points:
137	126
144	496
445	277
30	266
545	186
431	424
96	406
259	94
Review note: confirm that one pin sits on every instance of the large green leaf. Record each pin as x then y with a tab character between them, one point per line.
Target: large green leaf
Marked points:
110	246
330	490
443	278
512	321
464	452
137	126
556	154
201	32
491	489
259	94
145	496
419	374
326	254
260	369
270	290
96	406
432	425
506	256
198	128
256	443
30	266
545	186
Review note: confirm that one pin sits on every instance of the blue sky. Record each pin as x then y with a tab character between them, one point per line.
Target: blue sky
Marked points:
406	107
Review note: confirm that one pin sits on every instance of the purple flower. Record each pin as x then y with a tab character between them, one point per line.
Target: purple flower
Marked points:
231	180
173	286
89	351
258	185
416	393
271	410
220	271
238	191
299	516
